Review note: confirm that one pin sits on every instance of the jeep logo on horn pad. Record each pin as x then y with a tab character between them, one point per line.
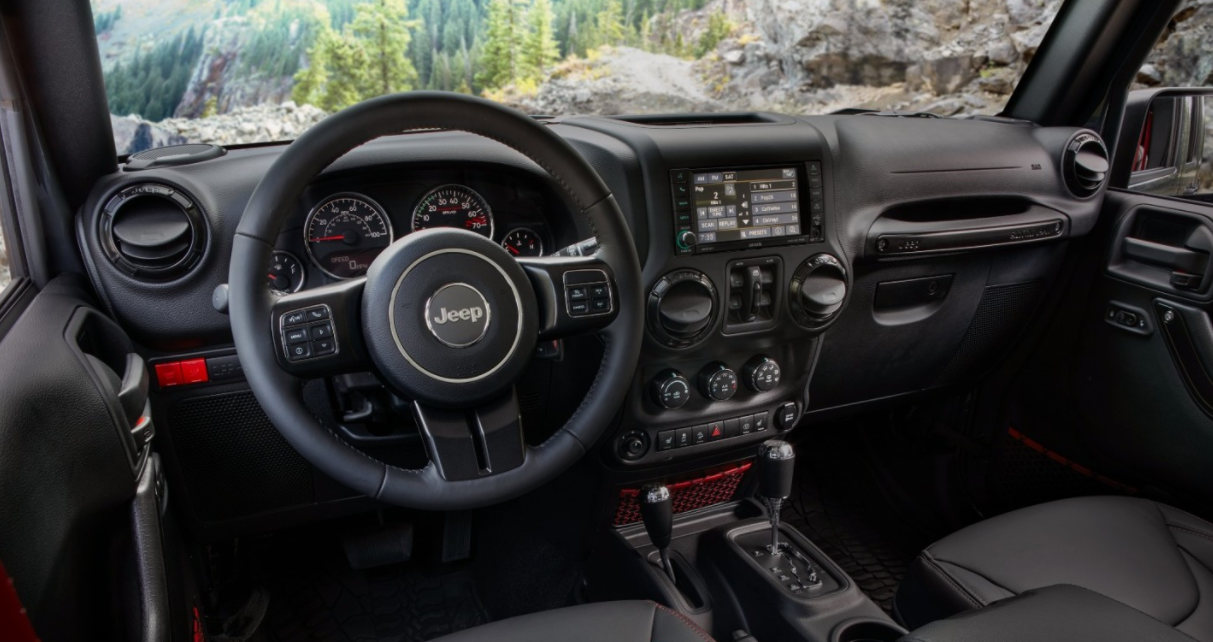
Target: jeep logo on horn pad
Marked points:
458	315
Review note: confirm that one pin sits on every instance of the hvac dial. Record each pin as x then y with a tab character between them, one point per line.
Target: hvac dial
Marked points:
345	233
454	206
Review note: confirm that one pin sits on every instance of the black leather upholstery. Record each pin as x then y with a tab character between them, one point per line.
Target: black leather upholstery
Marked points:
1148	556
1054	614
603	622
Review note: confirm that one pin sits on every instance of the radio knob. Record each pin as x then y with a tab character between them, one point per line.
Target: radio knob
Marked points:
718	382
671	390
762	374
686	239
819	287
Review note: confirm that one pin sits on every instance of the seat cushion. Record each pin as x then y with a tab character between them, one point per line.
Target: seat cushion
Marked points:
1145	555
603	622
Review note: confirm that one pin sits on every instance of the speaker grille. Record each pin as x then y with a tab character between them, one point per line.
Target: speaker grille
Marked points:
235	462
1003	311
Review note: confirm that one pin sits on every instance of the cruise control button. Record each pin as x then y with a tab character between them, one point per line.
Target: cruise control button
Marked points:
579	308
600	292
666	440
299	351
317	314
296	335
600	305
579	294
322	330
322	347
294	318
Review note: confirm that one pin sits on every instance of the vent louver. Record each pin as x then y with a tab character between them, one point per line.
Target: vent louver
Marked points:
1085	165
152	232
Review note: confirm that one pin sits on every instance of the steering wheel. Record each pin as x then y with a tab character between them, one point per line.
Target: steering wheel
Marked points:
444	317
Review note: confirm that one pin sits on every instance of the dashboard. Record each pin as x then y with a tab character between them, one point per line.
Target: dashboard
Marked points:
796	269
345	222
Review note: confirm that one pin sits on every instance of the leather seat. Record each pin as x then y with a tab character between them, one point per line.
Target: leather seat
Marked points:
1148	556
605	622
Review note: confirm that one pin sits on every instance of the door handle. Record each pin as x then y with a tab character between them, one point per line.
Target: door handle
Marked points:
1179	259
133	397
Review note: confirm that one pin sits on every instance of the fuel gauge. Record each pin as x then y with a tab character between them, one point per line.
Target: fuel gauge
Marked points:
286	272
523	242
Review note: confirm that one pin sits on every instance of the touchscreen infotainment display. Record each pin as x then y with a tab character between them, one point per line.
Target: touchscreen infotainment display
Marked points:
745	205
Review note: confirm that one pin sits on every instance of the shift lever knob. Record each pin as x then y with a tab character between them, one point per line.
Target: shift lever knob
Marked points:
657	510
776	463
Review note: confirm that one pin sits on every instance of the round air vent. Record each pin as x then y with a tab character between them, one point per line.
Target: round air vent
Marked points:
1085	164
152	232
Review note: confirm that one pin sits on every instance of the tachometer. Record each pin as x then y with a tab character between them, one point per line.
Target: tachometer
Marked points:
345	233
454	206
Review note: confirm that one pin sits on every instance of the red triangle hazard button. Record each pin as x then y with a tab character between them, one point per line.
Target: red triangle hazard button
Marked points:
716	432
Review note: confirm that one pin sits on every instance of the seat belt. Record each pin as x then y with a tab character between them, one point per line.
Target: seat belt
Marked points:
14	623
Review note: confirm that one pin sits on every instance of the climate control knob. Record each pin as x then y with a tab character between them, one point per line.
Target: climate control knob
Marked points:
671	390
718	382
818	289
761	374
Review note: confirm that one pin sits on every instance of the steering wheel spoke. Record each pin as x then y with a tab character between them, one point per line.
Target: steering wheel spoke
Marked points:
319	332
473	443
576	295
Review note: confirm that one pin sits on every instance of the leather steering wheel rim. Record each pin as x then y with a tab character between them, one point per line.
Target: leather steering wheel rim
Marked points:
280	393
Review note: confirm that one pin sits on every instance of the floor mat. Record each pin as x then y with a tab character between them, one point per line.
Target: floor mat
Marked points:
838	504
388	604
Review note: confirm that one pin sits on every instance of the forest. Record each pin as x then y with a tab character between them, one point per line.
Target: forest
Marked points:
338	52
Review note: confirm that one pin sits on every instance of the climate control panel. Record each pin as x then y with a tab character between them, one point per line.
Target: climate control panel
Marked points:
717	381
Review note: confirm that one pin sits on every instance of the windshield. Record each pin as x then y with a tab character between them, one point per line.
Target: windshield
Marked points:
248	71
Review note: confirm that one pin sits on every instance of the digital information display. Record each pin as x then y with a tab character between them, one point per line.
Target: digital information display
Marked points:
746	205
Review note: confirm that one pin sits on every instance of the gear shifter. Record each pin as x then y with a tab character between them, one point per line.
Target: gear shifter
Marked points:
776	463
657	510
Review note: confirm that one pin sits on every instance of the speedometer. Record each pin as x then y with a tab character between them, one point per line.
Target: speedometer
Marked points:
454	206
345	233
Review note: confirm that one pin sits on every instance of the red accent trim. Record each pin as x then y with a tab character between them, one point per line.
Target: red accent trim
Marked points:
1060	459
707	489
168	374
14	622
194	371
196	629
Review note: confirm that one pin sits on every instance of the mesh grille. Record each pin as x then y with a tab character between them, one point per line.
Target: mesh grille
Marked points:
171	150
686	495
234	461
1001	314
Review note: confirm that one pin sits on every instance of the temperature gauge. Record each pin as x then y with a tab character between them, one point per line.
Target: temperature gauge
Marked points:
286	272
523	242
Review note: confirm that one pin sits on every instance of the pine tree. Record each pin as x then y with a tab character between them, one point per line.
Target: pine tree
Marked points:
539	50
611	29
381	29
501	60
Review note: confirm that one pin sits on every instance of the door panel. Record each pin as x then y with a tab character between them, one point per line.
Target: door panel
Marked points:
70	466
1144	360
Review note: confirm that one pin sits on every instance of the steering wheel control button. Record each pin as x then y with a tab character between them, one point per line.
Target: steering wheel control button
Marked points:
671	390
587	293
307	333
787	415
718	382
458	315
762	374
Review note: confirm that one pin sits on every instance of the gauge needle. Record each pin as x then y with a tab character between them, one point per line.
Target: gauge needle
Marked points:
512	249
338	237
